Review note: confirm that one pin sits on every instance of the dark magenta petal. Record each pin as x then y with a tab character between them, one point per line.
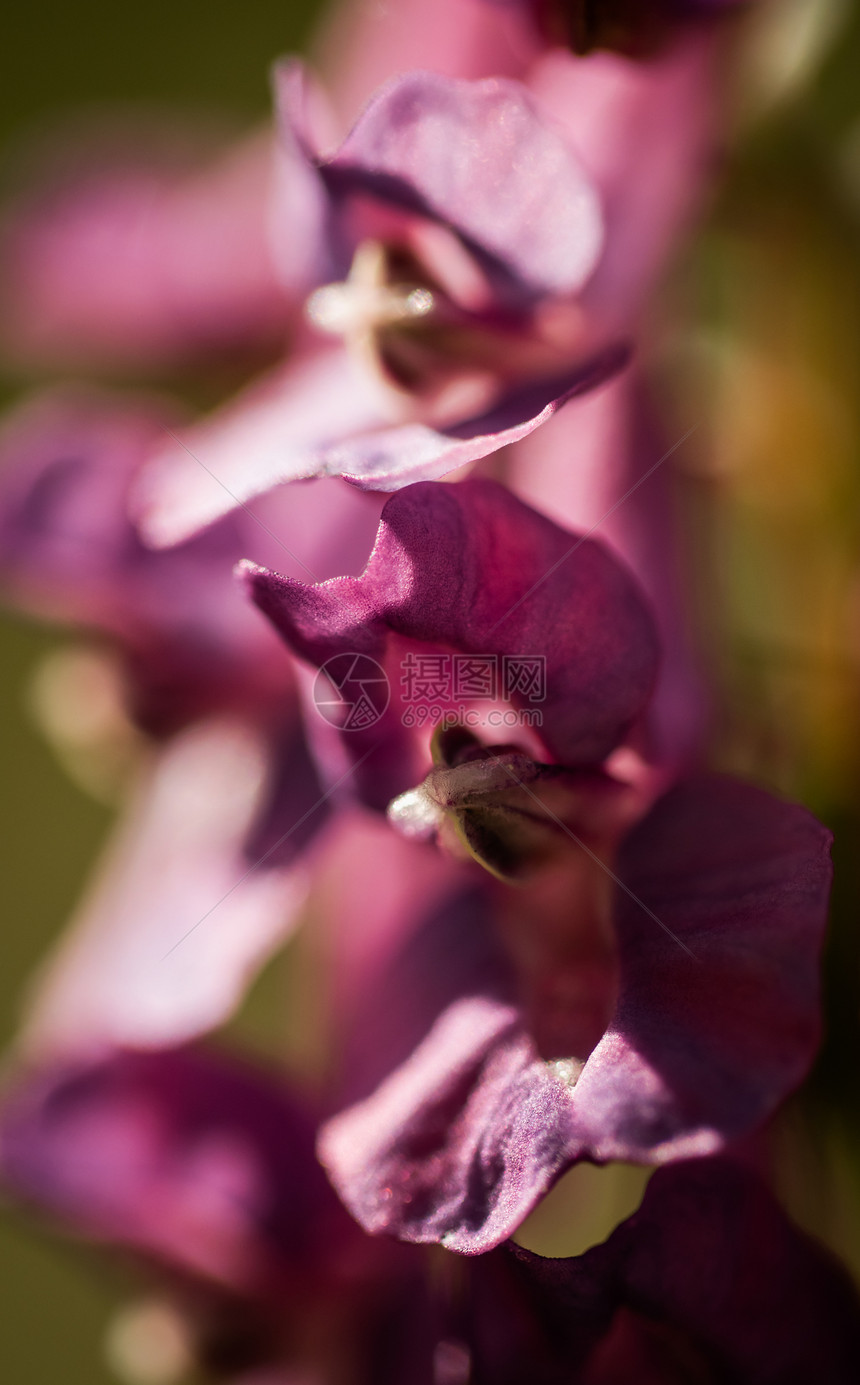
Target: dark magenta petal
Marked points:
709	1270
719	931
718	1016
477	157
185	1157
472	568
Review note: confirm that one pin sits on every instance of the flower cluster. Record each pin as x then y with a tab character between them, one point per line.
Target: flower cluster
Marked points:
568	944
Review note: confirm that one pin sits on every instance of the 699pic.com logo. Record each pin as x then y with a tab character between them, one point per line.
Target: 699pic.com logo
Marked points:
351	691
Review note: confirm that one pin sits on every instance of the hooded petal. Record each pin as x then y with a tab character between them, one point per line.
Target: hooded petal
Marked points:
477	157
471	568
709	1271
720	913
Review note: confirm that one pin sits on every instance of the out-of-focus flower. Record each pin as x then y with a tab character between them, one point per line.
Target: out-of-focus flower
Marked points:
361	46
133	261
627	26
201	1167
707	1281
624	487
70	553
213	840
205	876
640	1009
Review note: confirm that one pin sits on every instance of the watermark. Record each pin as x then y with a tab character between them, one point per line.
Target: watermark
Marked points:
352	691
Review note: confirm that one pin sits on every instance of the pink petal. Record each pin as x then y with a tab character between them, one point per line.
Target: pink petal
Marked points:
278	431
137	263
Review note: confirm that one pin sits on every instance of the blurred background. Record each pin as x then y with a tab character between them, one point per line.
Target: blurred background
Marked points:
205	65
756	340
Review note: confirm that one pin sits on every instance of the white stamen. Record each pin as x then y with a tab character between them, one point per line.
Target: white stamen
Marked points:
363	303
567	1070
415	815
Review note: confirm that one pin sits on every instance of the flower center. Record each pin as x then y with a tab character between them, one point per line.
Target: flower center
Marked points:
365	303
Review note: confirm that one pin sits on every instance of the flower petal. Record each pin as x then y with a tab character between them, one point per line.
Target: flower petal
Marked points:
69	552
460	1142
139	263
326	415
720	918
709	1261
182	1156
398	456
720	922
478	157
278	431
470	567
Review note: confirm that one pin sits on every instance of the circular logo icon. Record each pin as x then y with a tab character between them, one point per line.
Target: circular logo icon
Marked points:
351	691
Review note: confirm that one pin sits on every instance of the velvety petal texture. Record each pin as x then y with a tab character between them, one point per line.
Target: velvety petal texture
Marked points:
471	568
720	908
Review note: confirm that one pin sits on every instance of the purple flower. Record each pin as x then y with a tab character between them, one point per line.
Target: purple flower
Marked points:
660	1018
179	1154
201	1169
204	877
69	552
685	1039
471	568
459	230
213	842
